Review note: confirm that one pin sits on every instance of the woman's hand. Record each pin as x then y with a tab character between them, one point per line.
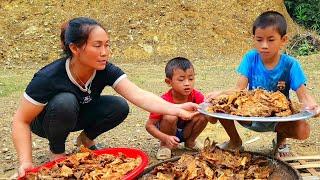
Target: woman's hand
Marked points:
187	115
187	110
171	141
22	170
189	106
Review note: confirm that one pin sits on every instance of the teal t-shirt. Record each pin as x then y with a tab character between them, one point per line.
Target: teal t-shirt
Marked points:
287	74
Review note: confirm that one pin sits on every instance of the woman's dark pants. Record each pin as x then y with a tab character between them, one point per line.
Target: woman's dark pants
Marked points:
63	114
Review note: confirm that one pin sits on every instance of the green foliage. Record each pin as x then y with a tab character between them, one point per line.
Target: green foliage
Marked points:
305	12
303	45
13	82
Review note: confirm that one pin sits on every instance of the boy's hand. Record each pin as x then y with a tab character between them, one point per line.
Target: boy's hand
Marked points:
315	109
212	95
171	141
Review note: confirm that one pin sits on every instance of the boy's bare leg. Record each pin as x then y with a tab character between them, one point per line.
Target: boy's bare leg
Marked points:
212	120
168	125
193	130
235	141
296	130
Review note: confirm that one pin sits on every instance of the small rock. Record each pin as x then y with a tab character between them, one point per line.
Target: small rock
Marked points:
5	150
147	48
30	30
8	157
155	39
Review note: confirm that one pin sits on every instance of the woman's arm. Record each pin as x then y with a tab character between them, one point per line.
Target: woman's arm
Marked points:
153	103
21	133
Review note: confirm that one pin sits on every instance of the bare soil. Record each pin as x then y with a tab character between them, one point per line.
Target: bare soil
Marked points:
144	34
140	30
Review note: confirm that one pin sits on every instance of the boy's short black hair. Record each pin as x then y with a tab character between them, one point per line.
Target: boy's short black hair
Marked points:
177	63
271	18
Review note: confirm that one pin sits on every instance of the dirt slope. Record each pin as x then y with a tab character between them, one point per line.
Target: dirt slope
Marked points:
144	30
140	30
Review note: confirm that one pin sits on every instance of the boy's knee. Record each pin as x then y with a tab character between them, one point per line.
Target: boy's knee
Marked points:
212	120
200	119
170	119
303	131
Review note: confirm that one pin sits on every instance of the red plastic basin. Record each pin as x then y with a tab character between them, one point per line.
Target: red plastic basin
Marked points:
128	152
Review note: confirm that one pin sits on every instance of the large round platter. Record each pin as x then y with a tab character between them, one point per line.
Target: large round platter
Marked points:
299	116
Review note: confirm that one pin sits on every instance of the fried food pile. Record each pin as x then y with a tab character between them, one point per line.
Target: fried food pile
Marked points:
256	103
87	165
213	163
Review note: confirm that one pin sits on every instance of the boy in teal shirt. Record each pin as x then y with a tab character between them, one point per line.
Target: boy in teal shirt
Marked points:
267	68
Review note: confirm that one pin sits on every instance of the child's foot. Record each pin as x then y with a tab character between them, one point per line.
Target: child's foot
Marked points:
193	146
228	145
281	149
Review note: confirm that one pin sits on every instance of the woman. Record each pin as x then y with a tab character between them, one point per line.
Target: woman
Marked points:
64	96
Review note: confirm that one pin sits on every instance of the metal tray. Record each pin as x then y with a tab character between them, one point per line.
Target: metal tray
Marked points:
299	116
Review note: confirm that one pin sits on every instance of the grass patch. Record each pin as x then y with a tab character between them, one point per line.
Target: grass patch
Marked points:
14	81
214	74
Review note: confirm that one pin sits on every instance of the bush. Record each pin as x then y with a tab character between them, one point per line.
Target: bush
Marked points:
303	45
305	12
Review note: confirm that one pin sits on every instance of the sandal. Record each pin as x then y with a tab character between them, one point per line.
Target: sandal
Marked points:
281	151
163	153
96	146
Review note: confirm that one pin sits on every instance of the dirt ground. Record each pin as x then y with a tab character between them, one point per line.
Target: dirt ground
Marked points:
144	34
